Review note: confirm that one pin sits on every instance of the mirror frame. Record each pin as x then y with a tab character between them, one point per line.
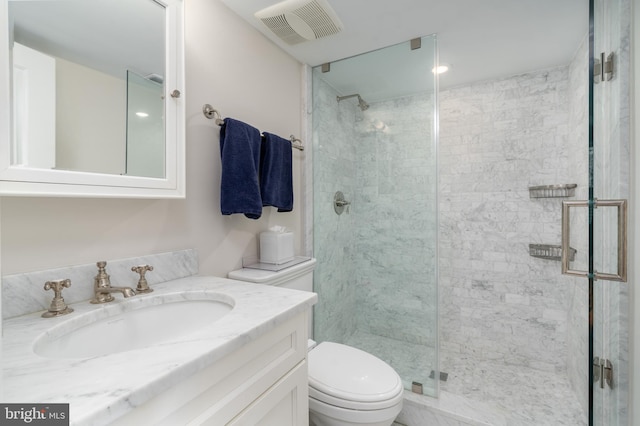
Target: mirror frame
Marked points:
25	181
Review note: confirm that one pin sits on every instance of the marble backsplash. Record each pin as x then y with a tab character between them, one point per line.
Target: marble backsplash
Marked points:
24	293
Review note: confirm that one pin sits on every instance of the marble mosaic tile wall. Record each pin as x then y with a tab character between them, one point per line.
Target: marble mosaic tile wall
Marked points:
497	138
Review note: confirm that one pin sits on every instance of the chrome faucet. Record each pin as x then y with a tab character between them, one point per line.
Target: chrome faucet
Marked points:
102	288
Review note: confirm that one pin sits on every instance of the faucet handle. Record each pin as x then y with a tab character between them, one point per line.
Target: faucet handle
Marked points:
143	285
57	307
102	279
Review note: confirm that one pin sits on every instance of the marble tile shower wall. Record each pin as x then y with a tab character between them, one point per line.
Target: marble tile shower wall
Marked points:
334	144
396	230
497	138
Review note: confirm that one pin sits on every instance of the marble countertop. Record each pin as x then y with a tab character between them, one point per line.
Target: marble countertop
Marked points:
101	389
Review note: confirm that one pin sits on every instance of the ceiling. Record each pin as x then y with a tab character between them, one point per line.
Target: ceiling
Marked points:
480	39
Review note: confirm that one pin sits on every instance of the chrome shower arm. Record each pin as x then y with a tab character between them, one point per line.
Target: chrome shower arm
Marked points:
361	102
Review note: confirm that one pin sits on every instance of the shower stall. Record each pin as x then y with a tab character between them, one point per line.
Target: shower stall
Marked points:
437	225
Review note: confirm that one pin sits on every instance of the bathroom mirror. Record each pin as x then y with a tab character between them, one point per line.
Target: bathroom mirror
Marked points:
93	102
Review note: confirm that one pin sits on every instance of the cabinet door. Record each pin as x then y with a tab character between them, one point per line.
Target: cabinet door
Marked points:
284	404
261	374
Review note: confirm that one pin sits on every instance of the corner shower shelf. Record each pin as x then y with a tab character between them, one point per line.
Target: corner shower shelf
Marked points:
550	252
552	191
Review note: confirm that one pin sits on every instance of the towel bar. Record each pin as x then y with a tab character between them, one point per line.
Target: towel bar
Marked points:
296	143
210	112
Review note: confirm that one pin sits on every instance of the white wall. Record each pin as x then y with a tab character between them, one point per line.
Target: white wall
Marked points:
237	70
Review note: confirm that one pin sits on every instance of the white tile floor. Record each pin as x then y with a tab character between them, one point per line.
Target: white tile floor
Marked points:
482	392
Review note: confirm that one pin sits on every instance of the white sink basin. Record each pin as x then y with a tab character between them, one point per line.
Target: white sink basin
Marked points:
141	325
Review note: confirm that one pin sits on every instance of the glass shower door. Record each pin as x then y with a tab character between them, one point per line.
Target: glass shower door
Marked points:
609	172
610	181
375	207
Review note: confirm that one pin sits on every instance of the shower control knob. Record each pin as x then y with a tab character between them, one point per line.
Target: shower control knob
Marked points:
339	203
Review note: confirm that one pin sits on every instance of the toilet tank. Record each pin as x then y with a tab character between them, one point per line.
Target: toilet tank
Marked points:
298	277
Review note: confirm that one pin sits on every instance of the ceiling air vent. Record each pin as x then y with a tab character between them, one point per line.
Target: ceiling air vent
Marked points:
296	21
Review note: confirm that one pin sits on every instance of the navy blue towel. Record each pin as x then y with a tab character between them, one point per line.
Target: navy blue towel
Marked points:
240	153
276	175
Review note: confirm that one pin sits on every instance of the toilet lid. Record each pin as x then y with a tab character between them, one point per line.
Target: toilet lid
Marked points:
349	374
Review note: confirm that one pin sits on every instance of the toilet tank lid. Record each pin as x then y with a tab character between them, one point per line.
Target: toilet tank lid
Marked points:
261	276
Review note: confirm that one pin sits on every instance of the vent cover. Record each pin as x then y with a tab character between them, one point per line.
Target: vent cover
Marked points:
296	21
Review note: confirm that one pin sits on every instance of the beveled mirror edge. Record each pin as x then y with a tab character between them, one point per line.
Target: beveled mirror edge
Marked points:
21	181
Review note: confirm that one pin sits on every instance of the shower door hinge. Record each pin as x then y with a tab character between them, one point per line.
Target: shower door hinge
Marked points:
603	372
603	68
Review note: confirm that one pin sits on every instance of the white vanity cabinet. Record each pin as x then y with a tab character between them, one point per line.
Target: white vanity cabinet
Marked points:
264	382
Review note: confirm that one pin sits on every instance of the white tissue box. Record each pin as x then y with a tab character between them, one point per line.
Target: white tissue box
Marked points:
276	247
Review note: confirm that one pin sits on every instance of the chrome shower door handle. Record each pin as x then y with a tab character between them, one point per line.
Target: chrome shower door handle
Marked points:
621	205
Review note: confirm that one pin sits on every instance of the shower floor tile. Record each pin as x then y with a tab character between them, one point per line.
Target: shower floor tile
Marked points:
525	396
480	391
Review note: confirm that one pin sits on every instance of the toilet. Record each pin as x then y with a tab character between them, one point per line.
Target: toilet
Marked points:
347	386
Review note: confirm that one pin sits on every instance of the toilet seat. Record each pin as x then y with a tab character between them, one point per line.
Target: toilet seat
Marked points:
347	377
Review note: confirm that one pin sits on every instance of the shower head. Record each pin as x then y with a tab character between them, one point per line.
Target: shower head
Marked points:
361	103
